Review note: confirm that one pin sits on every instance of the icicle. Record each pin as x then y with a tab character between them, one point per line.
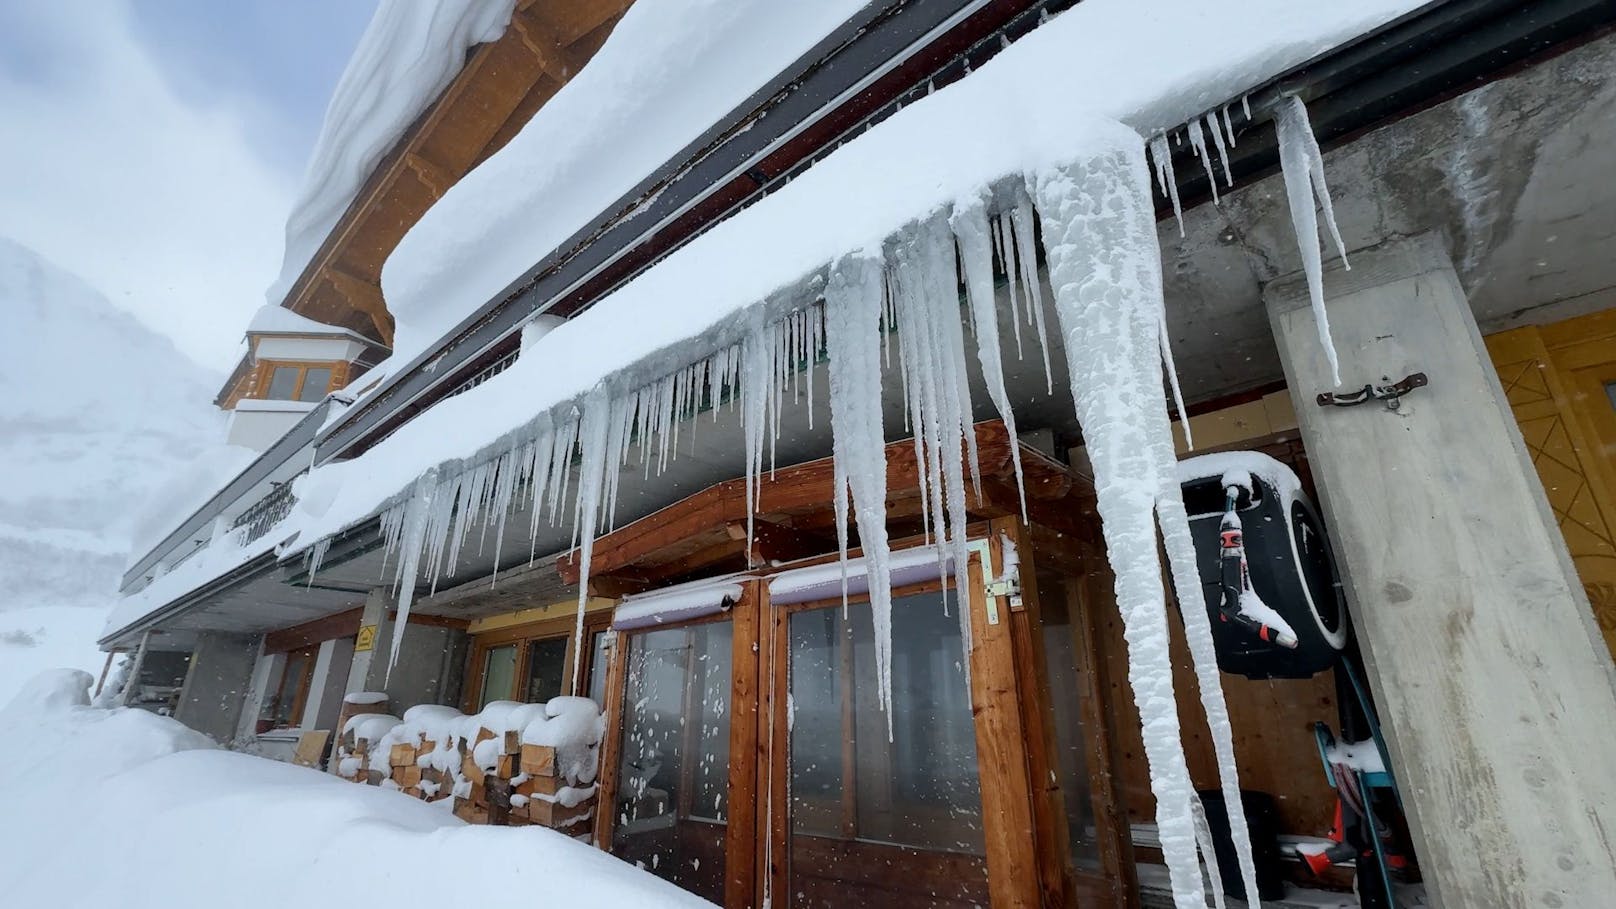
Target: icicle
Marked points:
594	429
1021	217
1228	127
316	556
756	382
1100	236
1198	142
854	301
1303	168
1172	376
1209	852
1223	149
413	517
972	232
1162	157
1007	257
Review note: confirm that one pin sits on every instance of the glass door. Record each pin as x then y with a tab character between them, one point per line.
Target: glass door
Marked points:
885	805
671	804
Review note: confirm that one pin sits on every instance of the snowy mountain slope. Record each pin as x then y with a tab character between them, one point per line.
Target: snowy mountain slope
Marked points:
96	410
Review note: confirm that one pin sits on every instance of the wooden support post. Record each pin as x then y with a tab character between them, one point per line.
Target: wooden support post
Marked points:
611	746
1000	750
740	880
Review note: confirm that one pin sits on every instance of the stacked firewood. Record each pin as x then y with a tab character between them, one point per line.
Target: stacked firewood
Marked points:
493	776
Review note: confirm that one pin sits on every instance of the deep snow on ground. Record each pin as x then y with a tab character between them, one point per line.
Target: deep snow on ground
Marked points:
125	808
96	412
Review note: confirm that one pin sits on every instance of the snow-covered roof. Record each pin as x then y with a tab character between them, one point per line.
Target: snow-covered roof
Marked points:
407	56
670	70
666	74
273	319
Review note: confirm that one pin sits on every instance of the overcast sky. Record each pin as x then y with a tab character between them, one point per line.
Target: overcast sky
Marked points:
153	147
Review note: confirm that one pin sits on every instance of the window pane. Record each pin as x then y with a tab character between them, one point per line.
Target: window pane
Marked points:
672	789
283	383
315	381
597	669
499	674
546	661
1065	693
879	820
279	708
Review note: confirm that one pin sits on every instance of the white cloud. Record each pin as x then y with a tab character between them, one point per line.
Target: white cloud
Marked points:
161	203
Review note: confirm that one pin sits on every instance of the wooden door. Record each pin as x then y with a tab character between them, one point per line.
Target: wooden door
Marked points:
1558	380
851	817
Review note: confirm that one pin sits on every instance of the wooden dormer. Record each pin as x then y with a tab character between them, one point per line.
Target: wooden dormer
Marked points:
292	363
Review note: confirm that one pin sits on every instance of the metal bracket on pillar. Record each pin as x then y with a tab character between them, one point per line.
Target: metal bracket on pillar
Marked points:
1371	392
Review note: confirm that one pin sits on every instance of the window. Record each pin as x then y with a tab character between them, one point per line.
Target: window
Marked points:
530	664
283	383
298	383
316	379
599	656
546	665
284	707
499	674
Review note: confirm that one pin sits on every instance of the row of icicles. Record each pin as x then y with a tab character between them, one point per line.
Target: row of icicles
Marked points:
1099	235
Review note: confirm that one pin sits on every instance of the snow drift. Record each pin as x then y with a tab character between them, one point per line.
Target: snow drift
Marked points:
124	808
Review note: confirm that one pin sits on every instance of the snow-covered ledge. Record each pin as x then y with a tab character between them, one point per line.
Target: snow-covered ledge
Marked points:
258	424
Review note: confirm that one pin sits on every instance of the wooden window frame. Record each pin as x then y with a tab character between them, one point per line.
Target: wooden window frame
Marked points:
300	698
266	375
523	636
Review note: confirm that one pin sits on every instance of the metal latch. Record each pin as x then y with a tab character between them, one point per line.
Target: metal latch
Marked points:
1370	391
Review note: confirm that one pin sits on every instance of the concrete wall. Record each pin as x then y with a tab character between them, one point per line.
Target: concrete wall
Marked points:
431	664
218	684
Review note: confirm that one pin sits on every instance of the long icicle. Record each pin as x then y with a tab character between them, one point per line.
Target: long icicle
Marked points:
854	301
1303	169
1099	232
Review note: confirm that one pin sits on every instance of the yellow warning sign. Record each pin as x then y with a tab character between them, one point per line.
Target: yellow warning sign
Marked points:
366	639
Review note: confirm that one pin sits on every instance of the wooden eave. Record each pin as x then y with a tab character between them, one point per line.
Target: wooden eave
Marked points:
501	86
705	534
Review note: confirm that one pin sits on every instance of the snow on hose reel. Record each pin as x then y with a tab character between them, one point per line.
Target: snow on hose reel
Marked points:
1265	565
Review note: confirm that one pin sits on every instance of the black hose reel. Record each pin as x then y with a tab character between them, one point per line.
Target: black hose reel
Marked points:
1266	569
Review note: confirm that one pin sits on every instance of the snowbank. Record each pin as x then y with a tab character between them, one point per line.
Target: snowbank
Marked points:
124	808
408	55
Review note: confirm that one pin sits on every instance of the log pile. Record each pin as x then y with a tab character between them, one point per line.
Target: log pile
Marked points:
492	776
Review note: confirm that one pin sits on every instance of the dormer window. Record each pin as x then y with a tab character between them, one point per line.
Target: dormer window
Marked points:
297	383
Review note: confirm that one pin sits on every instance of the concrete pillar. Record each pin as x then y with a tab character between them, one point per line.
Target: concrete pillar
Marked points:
373	616
431	660
1495	690
328	684
266	672
217	684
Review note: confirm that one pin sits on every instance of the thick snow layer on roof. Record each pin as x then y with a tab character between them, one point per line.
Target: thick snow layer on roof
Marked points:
669	70
113	797
667	73
408	55
274	319
1026	109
